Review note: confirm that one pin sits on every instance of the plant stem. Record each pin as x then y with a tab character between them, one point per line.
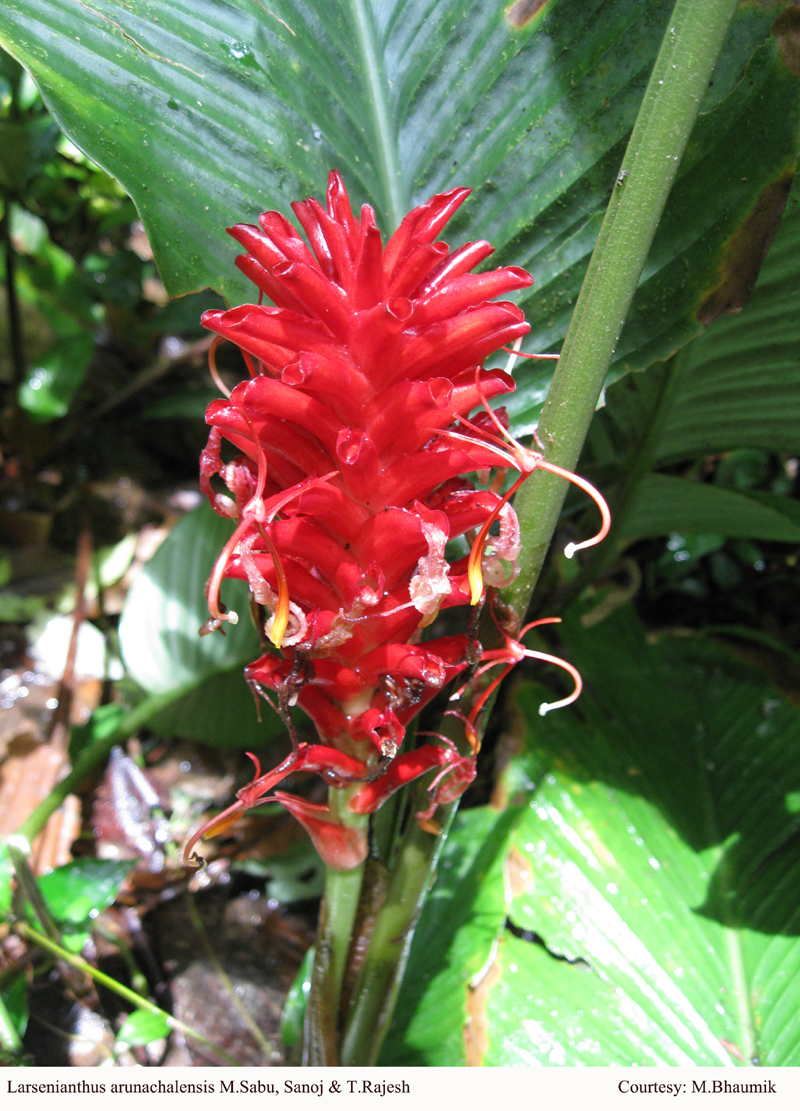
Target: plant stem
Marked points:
29	890
334	936
694	38
119	989
385	961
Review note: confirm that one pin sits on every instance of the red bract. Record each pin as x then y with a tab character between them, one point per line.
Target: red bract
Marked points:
349	478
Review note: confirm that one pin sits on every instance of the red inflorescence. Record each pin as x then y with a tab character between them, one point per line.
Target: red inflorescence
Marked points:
353	439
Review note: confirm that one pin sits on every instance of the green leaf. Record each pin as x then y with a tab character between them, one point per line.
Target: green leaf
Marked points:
570	1016
739	385
660	858
219	709
160	624
104	721
294	1009
51	280
453	942
15	998
662	503
163	651
79	891
736	390
76	893
208	113
24	149
293	877
56	378
141	1028
6	876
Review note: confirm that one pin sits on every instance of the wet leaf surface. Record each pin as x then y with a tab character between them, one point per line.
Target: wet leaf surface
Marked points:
453	943
662	845
141	1028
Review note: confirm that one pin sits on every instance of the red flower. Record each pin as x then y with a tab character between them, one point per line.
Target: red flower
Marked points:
354	439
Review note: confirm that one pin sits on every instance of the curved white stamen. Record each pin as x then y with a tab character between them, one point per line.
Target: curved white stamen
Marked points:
515	347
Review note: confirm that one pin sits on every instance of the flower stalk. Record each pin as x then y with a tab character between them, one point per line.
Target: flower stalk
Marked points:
334	938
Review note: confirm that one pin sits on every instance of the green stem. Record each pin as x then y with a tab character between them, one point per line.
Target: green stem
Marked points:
385	961
334	937
119	989
696	32
89	759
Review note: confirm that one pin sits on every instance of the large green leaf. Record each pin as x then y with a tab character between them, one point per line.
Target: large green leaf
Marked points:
210	110
661	861
662	503
648	887
160	625
163	650
739	385
736	387
453	942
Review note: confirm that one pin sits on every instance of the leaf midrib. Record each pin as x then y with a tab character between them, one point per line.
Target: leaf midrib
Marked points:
377	88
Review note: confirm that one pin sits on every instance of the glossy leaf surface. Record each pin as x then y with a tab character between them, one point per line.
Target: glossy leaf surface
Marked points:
163	651
76	893
56	377
80	890
648	883
453	943
210	112
663	503
141	1028
661	856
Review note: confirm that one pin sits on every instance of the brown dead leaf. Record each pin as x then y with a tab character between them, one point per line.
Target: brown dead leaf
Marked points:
786	30
745	252
476	1028
522	12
